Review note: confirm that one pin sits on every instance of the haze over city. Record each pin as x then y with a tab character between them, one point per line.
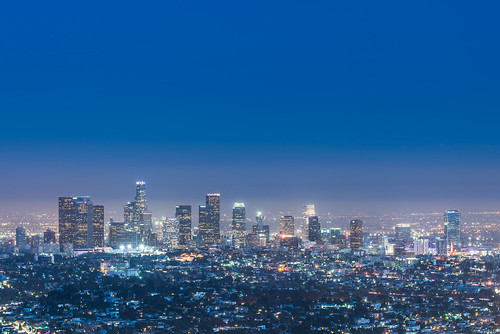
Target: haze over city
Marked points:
351	107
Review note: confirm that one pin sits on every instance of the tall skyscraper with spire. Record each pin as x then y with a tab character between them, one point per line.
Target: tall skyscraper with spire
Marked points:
239	225
137	216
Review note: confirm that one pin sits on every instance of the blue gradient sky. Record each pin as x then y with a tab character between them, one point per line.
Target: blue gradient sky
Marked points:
378	105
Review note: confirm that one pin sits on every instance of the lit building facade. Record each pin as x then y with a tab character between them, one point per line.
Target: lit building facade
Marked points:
452	230
287	226
239	225
356	234
183	213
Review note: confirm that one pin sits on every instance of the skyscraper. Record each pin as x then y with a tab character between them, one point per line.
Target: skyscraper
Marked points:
128	213
287	226
171	233
314	227
403	238
356	227
183	213
238	225
66	219
137	216
20	237
210	229
452	230
84	236
76	221
98	225
204	227
309	211
261	230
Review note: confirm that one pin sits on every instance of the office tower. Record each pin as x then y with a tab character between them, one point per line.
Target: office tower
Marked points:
171	233
309	211
76	221
128	213
421	246
83	237
20	237
238	225
452	229
98	225
49	237
183	213
356	227
287	226
141	203
209	223
205	234
403	238
261	231
66	219
314	227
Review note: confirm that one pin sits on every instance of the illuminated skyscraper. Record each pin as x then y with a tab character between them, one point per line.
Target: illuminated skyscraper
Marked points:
403	238
84	236
210	232
287	225
76	221
128	213
66	219
314	227
171	233
260	230
238	225
183	213
452	230
98	217
356	227
204	227
20	237
309	211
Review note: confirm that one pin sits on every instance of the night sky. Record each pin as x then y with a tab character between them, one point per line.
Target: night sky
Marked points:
354	106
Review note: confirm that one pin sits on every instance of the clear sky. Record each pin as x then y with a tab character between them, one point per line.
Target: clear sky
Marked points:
276	103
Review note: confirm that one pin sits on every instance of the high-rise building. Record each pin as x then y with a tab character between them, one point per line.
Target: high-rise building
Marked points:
287	225
136	214
20	236
452	230
183	213
98	227
209	224
84	223
309	211
403	238
314	227
356	236
66	219
239	225
260	230
128	213
171	233
49	237
205	233
76	221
